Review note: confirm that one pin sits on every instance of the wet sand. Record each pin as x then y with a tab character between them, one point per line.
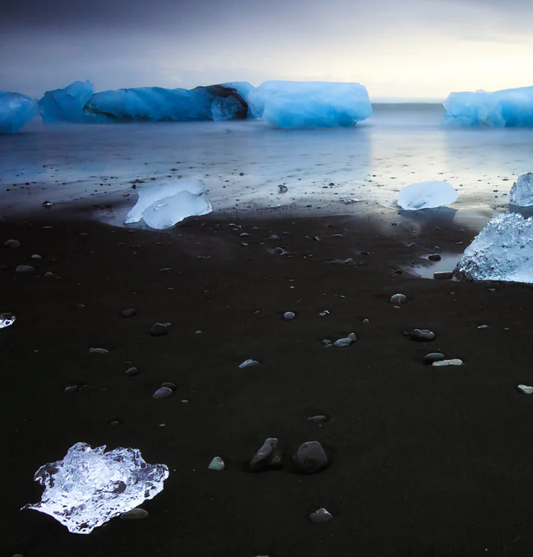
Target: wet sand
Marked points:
424	461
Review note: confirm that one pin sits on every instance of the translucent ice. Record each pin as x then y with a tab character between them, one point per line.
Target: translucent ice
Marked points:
503	251
426	195
16	111
89	486
165	205
522	191
501	109
66	105
310	104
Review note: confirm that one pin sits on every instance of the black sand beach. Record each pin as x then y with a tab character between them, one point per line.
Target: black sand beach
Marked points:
424	461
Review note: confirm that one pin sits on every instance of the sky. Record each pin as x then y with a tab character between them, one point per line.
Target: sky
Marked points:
398	49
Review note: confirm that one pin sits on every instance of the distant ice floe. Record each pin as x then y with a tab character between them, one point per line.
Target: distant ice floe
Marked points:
310	104
16	111
66	105
163	206
502	251
510	108
521	194
89	486
427	195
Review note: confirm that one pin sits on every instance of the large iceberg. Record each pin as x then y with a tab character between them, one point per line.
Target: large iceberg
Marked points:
155	104
89	486
66	105
510	108
426	195
164	205
310	104
521	193
16	110
502	251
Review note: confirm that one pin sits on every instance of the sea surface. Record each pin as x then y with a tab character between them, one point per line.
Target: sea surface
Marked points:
332	171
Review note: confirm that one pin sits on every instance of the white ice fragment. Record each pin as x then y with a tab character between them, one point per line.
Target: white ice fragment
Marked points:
165	205
249	363
426	195
521	193
89	486
502	251
6	319
526	389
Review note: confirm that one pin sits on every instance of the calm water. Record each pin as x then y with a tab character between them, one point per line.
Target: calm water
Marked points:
243	162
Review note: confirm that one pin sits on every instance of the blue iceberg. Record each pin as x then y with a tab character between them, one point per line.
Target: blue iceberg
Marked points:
155	104
16	110
510	108
310	104
66	105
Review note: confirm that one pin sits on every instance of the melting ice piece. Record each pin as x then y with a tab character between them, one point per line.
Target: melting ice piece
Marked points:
502	251
507	108
89	487
165	205
426	195
521	193
6	319
310	104
16	111
66	105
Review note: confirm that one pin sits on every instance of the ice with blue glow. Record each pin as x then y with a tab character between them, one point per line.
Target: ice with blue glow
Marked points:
155	104
89	486
66	105
16	110
164	205
427	195
510	108
502	251
310	104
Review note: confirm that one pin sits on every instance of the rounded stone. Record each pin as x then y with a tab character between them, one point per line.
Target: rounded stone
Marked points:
132	371
25	269
422	335
310	458
398	299
320	516
134	514
12	244
130	312
434	257
158	330
71	389
163	392
268	456
169	385
433	357
288	315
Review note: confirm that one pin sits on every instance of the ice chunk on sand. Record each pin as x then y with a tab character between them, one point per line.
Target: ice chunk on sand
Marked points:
155	104
426	195
89	486
503	251
501	109
522	191
16	111
165	205
310	104
66	105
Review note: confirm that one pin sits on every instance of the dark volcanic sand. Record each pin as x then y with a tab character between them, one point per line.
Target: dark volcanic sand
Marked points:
424	461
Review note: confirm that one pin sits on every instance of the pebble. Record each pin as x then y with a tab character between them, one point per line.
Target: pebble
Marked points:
483	327
25	269
98	351
319	419
310	458
453	362
49	275
169	385
71	389
283	189
288	315
422	334
344	342
434	257
433	357
159	329
132	371
12	244
398	299
216	464
130	312
444	275
324	313
36	256
249	363
134	514
320	516
268	456
163	392
526	389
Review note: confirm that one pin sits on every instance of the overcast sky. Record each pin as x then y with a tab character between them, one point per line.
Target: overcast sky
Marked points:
396	48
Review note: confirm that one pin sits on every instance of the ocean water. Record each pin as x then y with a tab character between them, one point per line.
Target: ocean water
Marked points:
243	162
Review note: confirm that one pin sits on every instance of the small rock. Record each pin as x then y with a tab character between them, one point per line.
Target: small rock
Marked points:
526	389
249	363
443	275
47	204
134	514
130	312
268	456
115	423
98	351
320	516
169	385
25	269
283	189
49	275
422	335
310	458
433	357
132	371
216	464
71	389
36	256
273	237
366	321
453	362
343	342
318	419
483	327
352	337
159	330
434	257
398	299
288	315
163	392
12	244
